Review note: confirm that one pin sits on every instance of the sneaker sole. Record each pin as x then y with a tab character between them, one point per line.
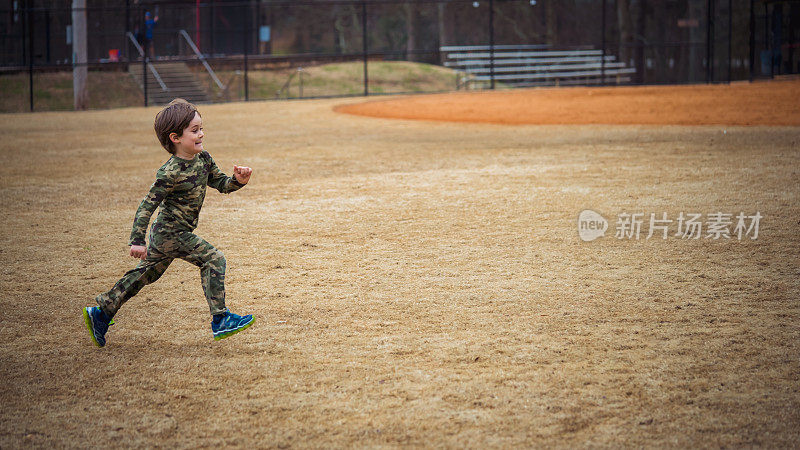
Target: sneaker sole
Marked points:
232	332
88	321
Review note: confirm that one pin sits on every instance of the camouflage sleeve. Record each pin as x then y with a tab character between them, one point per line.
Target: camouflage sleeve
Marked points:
219	180
160	188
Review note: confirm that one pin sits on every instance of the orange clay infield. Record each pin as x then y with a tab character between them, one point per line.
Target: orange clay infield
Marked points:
776	103
416	284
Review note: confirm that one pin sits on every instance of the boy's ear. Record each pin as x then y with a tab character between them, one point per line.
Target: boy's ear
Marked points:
175	138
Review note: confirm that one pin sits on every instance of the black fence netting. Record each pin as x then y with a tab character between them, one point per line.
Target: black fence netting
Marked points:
141	52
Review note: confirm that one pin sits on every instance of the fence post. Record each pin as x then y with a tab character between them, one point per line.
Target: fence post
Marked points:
29	17
144	72
709	41
491	42
24	11
364	41
212	16
641	47
730	38
246	35
767	40
47	34
752	41
127	30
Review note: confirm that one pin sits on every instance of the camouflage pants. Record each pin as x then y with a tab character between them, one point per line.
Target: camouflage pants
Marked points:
165	247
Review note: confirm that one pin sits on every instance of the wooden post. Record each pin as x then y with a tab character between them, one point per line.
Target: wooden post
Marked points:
79	55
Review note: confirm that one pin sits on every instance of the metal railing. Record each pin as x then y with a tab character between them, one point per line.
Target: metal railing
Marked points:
285	88
152	68
201	58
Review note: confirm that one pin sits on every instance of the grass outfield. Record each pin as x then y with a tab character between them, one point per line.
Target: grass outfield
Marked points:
53	91
415	283
334	79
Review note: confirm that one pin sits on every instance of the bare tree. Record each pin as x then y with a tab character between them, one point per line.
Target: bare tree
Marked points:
641	40
411	30
551	22
440	27
696	34
517	23
345	20
625	30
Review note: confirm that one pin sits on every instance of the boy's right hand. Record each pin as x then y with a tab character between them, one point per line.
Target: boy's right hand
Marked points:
139	251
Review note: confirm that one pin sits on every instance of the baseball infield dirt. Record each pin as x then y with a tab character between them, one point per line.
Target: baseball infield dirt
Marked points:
416	283
762	103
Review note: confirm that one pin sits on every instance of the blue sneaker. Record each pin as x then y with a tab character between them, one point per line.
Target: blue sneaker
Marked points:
230	324
97	323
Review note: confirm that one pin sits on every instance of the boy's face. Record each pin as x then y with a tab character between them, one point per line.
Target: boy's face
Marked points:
190	142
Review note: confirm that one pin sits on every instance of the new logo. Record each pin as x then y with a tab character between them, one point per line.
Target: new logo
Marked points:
591	225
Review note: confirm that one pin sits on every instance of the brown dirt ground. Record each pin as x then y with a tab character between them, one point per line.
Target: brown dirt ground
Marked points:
416	284
762	103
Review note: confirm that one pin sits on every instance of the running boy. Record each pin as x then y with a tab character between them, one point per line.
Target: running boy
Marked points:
180	188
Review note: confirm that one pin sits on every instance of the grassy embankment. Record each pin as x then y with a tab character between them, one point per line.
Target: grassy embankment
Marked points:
53	91
333	79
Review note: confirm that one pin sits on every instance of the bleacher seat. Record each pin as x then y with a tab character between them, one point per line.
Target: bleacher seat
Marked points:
534	65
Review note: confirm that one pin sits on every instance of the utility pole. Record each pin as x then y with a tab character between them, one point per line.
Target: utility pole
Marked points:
79	55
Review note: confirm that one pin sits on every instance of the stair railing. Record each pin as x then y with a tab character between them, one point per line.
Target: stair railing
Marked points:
201	58
285	88
150	65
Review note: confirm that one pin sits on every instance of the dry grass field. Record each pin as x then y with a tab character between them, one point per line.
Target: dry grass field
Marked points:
416	284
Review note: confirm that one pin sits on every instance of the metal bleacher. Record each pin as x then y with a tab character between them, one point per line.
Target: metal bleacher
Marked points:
534	65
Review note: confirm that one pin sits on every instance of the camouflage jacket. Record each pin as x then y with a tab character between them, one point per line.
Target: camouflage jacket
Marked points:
180	189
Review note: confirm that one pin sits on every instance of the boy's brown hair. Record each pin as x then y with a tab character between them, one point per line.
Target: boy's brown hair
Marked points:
174	118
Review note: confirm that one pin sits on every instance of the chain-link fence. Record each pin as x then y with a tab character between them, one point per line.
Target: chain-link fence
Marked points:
148	52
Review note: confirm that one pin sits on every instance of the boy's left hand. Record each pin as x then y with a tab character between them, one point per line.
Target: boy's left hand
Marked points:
242	174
